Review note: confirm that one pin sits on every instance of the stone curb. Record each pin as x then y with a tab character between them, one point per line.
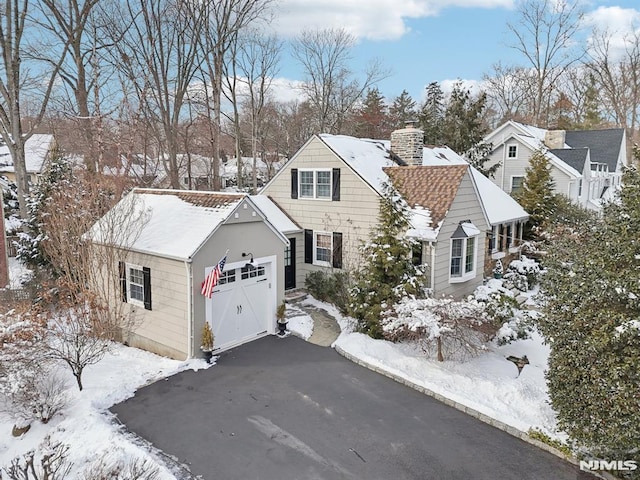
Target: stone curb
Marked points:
469	411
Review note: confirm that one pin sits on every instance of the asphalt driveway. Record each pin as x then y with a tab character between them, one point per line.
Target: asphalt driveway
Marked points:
286	409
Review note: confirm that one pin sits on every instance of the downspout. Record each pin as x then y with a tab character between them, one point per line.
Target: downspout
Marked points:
504	162
190	326
433	268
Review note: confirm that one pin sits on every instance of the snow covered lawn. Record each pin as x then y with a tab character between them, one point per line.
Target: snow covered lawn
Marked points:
85	424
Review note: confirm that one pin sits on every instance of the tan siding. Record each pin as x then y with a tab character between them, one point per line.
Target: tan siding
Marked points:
163	329
352	216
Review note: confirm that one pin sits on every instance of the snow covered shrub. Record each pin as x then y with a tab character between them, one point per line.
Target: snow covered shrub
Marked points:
519	327
30	388
115	465
522	274
48	462
453	328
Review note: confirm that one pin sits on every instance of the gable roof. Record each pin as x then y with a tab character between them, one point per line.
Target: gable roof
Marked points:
275	214
499	207
574	157
429	187
169	223
36	151
605	145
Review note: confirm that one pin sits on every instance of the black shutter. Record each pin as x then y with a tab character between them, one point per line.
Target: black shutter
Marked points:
337	250
335	195
294	183
308	246
147	288
122	268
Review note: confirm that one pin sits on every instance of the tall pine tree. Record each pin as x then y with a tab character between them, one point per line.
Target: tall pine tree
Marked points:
536	195
372	119
388	272
402	110
432	115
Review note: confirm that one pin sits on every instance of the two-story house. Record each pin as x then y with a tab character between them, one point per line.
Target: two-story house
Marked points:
332	186
586	165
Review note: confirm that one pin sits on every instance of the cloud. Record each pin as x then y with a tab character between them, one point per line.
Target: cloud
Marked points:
377	20
617	22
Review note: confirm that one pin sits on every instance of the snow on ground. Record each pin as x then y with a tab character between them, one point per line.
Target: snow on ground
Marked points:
18	273
85	424
299	322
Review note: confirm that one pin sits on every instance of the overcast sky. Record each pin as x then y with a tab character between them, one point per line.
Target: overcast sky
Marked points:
430	40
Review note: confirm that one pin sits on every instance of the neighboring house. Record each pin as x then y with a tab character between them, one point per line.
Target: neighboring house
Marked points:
332	188
37	154
179	240
586	165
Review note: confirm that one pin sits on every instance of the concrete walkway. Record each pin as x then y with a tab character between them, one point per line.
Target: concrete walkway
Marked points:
325	328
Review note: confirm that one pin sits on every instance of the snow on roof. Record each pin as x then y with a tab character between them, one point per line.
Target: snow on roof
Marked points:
368	158
36	150
171	223
274	214
422	226
499	206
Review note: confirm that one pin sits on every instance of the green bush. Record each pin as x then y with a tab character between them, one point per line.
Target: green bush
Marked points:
332	287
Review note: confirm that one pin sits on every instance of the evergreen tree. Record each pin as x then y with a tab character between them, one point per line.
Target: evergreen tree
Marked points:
402	110
592	116
463	125
432	114
592	323
536	195
372	120
387	273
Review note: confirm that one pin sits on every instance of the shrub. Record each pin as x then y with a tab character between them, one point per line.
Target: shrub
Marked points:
49	462
526	268
113	465
332	287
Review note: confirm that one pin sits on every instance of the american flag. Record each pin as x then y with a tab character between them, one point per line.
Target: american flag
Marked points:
212	279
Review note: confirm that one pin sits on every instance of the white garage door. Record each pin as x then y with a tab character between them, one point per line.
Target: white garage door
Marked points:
241	307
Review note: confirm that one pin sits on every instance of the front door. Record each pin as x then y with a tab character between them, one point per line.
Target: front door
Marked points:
290	265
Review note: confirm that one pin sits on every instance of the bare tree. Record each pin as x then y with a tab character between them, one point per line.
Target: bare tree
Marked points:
71	23
543	35
331	87
617	74
507	91
258	65
20	84
157	52
225	19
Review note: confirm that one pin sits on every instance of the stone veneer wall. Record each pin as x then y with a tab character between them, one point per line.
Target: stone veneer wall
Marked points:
408	143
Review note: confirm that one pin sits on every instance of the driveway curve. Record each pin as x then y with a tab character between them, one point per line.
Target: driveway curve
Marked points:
285	409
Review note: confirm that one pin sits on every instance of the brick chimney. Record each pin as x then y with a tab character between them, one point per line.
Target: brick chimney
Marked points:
554	139
4	259
408	143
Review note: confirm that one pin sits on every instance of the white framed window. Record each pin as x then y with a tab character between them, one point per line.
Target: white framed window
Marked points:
322	248
512	151
228	276
463	253
516	184
135	285
315	184
252	272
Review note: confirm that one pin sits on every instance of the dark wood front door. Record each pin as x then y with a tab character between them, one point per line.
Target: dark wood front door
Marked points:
290	265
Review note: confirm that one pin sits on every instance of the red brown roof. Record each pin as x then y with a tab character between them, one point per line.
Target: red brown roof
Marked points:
199	198
431	187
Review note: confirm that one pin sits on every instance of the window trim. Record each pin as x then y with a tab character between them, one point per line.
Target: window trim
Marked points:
315	196
322	263
511	190
130	299
515	150
464	274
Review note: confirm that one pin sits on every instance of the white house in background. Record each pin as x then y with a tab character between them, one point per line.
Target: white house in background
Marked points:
332	186
37	154
181	238
586	165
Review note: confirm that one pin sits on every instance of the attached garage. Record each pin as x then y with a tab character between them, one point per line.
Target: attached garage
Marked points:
180	237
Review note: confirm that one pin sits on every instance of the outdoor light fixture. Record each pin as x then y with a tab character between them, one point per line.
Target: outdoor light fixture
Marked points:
249	264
